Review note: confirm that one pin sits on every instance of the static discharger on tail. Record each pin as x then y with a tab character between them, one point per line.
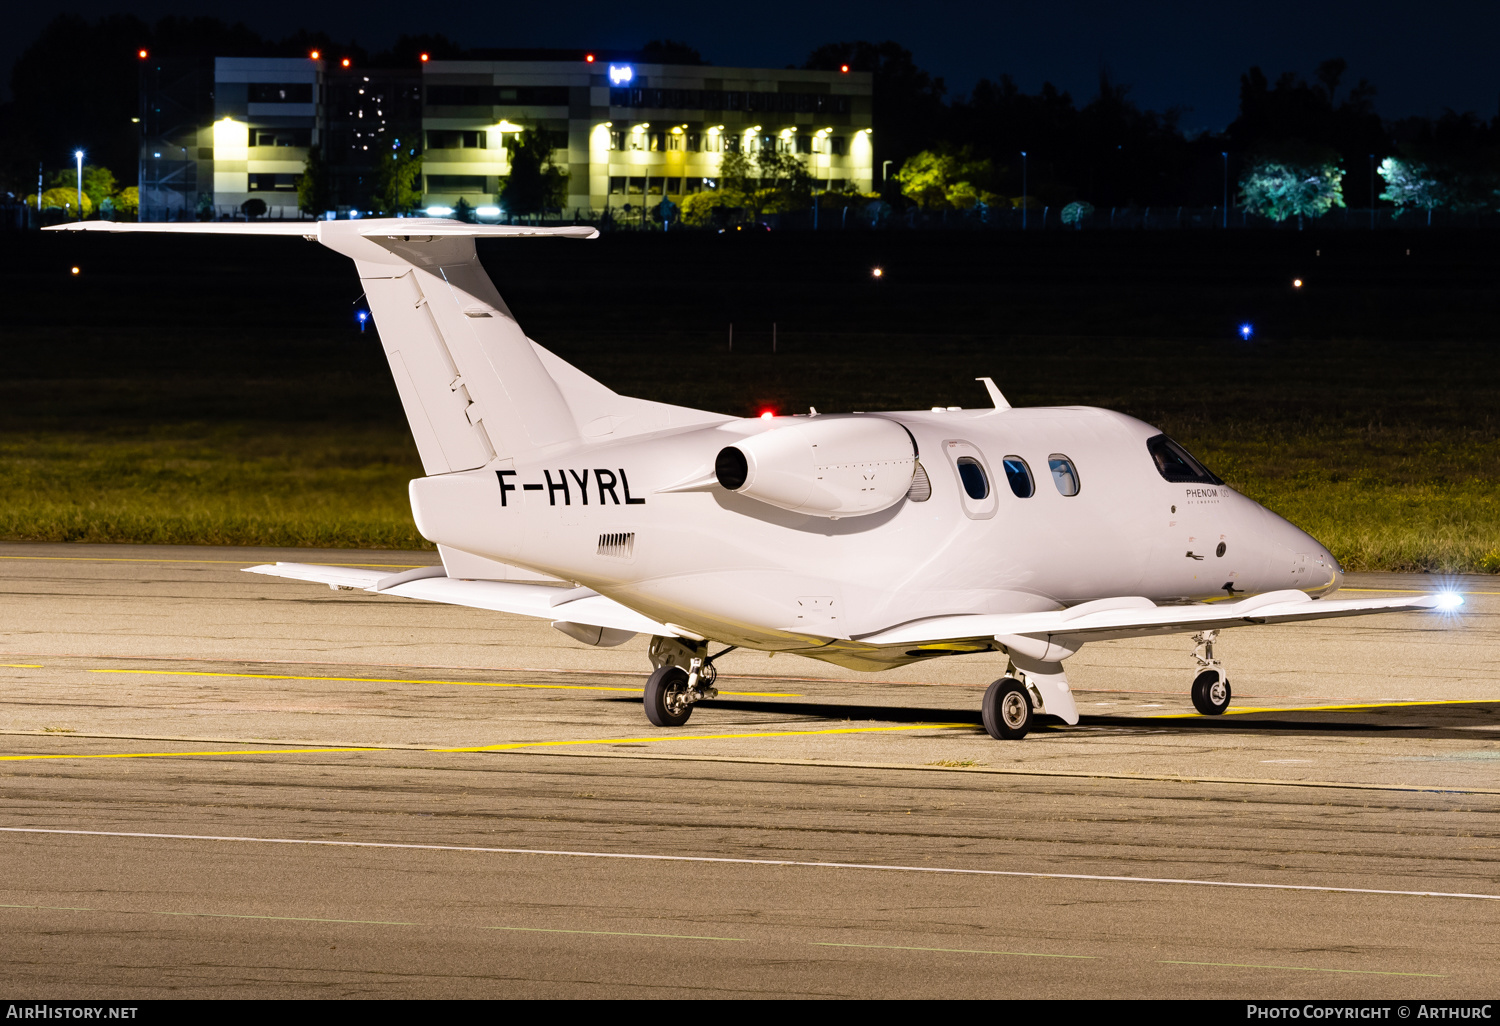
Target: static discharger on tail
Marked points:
866	540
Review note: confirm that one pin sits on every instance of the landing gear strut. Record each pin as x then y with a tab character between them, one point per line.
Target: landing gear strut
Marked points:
1211	685
683	677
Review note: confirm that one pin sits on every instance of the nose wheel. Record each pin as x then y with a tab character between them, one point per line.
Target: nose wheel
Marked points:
1211	692
1211	685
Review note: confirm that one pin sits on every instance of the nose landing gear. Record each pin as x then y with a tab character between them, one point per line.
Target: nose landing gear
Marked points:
1211	684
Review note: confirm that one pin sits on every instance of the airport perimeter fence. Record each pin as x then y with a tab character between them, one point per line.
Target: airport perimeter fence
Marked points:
878	215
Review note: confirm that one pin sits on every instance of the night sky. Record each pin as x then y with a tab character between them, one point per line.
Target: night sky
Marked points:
1421	57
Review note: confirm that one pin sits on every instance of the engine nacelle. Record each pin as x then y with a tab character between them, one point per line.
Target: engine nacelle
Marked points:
826	466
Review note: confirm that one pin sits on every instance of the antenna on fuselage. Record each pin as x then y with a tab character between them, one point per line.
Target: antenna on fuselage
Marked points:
1001	403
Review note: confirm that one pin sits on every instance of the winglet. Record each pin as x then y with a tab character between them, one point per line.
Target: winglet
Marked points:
1001	403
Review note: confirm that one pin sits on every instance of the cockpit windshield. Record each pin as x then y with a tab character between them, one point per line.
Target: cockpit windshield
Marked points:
1176	464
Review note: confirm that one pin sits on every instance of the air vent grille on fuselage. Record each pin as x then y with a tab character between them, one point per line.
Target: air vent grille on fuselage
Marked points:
619	545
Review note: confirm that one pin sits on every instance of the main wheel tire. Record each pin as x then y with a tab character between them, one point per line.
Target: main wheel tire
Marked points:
1007	710
664	697
1211	692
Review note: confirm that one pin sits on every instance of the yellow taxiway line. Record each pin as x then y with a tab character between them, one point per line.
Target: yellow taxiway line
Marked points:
507	747
1322	708
457	683
708	737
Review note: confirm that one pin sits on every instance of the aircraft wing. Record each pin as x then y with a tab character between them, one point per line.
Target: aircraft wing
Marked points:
1135	617
571	605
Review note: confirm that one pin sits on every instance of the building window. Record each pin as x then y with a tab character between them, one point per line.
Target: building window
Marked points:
617	185
617	139
837	145
282	137
455	183
804	143
489	96
653	185
694	185
674	186
637	185
694	142
713	143
281	92
455	140
674	142
273	183
658	142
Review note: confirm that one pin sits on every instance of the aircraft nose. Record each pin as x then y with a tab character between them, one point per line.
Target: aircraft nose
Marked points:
1314	569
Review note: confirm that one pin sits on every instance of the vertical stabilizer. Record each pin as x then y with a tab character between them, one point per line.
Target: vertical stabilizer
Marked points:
470	381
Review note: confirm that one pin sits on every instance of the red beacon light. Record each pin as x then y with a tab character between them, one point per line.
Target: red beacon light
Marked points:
344	63
844	68
141	54
425	58
315	54
767	414
589	58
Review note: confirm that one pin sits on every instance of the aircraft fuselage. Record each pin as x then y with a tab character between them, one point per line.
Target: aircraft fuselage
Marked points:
740	571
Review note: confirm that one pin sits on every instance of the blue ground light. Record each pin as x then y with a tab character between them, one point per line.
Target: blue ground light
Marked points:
1246	330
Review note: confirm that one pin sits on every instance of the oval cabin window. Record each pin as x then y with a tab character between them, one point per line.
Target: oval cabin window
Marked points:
1019	476
1064	474
975	483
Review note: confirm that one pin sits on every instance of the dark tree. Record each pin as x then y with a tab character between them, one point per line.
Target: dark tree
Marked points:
1293	110
910	115
534	185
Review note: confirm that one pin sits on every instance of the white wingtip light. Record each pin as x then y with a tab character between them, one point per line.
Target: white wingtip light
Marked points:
1448	601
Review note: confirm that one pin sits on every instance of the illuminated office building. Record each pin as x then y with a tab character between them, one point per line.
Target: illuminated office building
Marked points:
624	133
635	133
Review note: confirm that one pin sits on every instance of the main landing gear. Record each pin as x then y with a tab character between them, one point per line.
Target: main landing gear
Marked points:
1211	684
683	677
1007	710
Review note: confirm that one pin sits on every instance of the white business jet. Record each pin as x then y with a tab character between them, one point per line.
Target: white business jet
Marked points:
866	540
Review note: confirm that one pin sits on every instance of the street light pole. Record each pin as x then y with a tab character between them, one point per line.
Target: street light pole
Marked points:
1225	155
78	154
1023	190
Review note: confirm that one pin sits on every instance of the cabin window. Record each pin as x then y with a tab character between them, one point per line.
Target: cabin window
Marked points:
972	474
1019	476
1064	474
1176	464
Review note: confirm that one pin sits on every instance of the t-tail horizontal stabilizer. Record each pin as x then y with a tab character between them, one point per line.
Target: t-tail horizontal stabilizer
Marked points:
472	384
